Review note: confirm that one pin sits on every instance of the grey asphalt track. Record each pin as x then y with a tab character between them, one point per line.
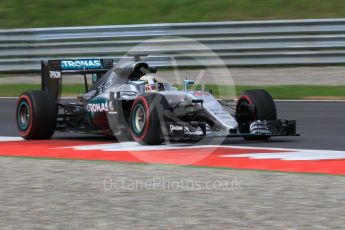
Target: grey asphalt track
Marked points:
71	194
321	125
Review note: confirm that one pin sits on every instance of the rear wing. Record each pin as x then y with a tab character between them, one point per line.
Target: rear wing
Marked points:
52	71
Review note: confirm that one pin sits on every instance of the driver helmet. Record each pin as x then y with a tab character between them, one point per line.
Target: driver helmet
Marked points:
151	84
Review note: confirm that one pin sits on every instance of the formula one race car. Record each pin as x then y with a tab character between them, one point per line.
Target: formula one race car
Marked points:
127	100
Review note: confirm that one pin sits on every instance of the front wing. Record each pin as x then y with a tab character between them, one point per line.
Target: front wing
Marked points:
184	130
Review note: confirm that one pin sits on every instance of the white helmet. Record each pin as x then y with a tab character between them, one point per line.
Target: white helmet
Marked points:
150	83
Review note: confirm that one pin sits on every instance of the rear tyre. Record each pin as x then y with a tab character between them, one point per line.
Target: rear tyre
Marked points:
36	115
256	104
146	115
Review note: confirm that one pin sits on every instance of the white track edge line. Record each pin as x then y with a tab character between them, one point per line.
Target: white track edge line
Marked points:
8	138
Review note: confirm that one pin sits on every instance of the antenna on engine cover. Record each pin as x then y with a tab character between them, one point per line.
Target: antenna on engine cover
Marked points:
137	56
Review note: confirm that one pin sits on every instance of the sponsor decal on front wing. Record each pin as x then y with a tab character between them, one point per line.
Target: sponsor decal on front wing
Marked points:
176	128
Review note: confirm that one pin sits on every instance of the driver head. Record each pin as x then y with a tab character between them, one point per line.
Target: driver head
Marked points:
151	84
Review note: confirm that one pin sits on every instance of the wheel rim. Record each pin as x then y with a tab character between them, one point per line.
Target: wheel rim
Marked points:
244	109
139	118
23	115
245	114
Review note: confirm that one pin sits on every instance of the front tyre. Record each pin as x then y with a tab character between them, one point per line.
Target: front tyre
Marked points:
146	115
36	115
255	104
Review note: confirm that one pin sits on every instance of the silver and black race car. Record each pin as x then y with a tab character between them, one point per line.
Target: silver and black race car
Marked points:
126	100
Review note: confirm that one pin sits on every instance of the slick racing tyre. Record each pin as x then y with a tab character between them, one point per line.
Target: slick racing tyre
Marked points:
146	115
256	104
36	115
